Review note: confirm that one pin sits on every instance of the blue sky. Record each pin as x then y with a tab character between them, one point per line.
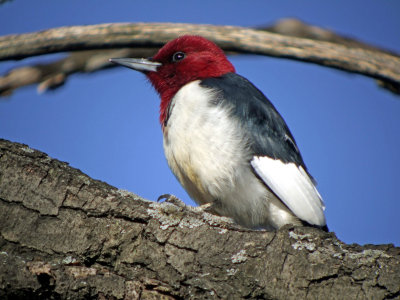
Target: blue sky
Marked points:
106	124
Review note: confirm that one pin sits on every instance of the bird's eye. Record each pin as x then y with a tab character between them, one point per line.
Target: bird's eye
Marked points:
178	56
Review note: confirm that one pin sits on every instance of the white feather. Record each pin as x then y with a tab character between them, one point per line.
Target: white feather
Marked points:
207	151
293	186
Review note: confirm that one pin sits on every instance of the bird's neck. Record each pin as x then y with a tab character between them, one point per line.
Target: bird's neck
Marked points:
166	98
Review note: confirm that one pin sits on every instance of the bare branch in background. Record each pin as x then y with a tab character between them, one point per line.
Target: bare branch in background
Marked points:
315	45
297	28
53	75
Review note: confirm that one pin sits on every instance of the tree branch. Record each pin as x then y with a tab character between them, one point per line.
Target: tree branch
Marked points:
298	28
55	74
64	235
320	46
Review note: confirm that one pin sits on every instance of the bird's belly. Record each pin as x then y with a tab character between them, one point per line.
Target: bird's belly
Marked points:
211	175
203	147
204	157
209	155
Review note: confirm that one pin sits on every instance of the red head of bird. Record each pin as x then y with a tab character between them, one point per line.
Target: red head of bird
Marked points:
180	61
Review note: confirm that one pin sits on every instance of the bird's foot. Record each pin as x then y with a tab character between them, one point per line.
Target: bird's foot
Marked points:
203	208
171	199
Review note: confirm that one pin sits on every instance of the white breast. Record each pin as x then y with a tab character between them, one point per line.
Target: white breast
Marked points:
207	151
201	142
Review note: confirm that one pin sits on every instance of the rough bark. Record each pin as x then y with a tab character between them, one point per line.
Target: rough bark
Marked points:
295	40
67	236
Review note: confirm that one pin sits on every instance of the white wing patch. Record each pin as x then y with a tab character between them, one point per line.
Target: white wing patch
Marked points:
293	186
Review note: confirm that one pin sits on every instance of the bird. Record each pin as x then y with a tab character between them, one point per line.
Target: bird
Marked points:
225	141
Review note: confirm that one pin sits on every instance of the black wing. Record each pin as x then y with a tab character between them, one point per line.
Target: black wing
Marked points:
268	132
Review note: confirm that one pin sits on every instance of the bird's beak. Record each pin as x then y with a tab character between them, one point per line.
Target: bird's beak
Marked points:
138	64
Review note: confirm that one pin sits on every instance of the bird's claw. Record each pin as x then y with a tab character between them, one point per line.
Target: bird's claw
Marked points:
203	208
171	199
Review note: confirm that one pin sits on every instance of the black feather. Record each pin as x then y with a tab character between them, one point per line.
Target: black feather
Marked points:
267	131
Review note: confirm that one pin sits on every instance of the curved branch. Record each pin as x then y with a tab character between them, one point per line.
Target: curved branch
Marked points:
53	75
373	63
298	28
64	235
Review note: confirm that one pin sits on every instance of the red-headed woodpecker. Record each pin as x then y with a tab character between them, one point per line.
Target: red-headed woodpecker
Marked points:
224	140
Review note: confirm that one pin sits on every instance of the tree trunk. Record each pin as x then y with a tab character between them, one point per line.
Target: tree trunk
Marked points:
67	236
